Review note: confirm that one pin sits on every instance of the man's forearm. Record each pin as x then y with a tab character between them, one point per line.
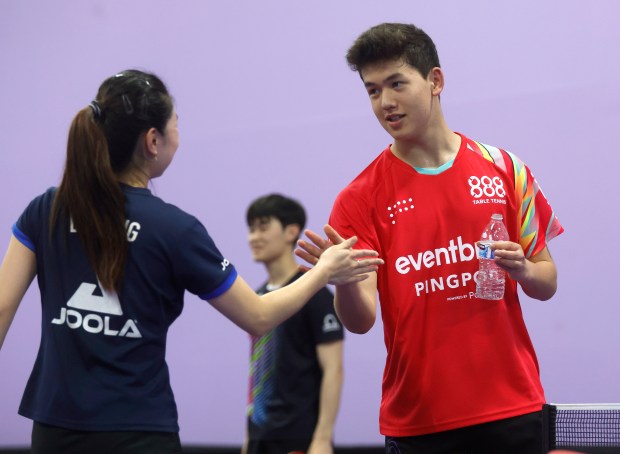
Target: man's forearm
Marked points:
329	403
540	281
356	304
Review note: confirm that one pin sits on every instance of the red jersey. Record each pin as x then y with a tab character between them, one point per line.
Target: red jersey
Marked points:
452	360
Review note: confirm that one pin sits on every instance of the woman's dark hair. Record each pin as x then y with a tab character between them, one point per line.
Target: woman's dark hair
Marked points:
102	139
390	41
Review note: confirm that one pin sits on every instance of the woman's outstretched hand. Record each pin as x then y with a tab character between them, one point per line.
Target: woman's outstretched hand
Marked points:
343	264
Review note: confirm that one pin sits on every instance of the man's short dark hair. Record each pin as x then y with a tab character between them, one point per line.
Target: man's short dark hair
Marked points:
392	41
286	210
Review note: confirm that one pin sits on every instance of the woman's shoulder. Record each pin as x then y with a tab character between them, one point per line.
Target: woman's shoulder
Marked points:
142	206
43	201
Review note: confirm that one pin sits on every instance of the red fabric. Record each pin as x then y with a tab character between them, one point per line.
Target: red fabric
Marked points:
452	360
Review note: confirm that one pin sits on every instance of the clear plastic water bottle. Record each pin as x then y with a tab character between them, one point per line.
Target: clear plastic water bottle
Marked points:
491	279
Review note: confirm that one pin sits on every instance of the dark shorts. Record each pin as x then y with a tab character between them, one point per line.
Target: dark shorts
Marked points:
277	446
518	435
53	440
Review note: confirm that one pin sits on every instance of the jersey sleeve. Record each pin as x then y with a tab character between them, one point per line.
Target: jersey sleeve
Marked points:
351	216
200	266
22	237
33	220
325	325
538	222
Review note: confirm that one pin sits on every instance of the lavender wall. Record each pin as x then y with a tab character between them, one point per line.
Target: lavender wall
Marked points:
266	103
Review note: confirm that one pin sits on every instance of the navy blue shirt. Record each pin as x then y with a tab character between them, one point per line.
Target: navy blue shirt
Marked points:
101	362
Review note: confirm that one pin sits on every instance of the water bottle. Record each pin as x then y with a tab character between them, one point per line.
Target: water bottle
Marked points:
491	279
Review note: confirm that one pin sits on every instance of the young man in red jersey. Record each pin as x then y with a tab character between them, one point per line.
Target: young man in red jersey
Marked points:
461	374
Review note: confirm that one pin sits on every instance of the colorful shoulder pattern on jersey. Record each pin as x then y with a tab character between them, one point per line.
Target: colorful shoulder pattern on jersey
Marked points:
537	222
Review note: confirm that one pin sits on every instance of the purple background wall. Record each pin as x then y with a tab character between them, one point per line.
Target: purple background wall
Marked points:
267	103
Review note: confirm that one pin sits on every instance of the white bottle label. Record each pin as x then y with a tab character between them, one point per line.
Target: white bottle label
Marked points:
483	250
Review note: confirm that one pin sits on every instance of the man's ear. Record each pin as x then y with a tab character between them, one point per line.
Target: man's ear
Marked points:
292	232
436	78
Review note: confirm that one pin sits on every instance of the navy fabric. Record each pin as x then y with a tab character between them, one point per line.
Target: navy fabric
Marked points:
101	362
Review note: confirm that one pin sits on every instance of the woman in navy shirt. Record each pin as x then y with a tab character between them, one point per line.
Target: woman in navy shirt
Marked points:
113	263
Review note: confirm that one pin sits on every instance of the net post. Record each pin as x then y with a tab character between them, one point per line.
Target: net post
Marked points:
548	423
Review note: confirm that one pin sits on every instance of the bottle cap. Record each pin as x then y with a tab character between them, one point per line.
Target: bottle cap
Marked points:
497	216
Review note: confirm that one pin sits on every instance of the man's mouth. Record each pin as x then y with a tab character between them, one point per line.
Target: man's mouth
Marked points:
393	117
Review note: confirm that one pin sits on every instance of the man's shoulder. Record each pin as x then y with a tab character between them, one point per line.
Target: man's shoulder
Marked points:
500	157
368	179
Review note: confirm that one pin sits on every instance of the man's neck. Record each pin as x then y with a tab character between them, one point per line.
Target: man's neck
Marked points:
282	270
431	151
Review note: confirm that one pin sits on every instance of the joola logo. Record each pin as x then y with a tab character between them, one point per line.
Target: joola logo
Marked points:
108	304
94	323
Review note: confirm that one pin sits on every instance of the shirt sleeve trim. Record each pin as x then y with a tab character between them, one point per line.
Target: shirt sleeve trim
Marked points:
22	238
222	288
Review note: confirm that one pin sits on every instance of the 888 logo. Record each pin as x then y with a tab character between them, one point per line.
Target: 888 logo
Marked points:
486	186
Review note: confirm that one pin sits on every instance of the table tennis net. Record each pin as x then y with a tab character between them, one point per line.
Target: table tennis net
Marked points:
587	428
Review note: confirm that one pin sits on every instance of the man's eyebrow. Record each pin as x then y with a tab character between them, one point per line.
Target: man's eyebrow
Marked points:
387	79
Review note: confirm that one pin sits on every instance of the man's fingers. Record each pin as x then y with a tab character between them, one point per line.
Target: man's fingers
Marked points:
370	262
361	253
367	269
510	255
331	233
308	257
505	245
310	248
317	239
510	264
347	244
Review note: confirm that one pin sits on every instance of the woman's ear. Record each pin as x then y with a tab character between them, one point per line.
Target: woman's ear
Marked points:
150	139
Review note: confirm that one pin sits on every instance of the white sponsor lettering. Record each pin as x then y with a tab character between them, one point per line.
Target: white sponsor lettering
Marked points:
483	201
469	295
108	304
95	323
131	227
439	284
486	186
454	252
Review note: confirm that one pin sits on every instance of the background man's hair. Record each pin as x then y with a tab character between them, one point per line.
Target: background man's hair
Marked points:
288	211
